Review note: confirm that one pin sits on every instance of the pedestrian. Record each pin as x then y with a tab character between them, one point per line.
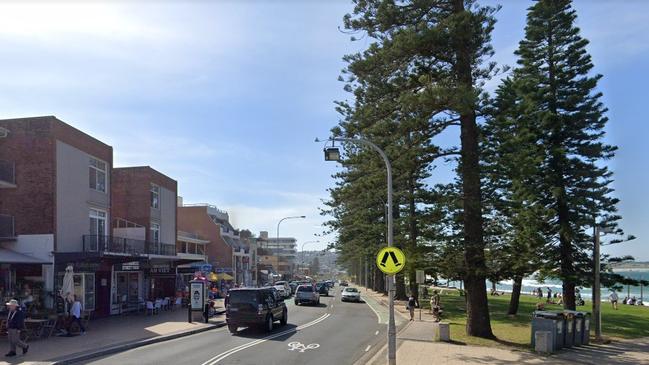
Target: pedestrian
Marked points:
75	314
613	298
539	293
549	295
15	323
412	303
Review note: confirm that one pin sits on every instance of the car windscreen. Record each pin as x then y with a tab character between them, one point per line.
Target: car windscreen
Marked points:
352	290
305	288
236	297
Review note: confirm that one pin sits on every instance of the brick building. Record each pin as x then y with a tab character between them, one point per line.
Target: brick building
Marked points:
144	212
54	193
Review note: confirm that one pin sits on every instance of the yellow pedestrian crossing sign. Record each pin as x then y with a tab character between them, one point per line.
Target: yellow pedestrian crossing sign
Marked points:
390	260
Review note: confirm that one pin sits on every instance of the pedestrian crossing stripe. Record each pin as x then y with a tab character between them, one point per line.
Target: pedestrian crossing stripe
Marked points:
390	260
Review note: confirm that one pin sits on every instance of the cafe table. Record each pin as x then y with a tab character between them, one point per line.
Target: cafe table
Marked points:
34	327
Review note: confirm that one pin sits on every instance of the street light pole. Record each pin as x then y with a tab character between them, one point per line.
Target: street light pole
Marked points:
392	331
280	222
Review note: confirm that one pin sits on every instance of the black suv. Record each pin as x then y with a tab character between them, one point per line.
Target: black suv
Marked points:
254	307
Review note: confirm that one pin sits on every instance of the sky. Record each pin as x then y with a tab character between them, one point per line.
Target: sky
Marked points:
227	97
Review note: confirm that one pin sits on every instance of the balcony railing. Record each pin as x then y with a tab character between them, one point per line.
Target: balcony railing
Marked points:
112	244
163	249
7	227
128	246
7	172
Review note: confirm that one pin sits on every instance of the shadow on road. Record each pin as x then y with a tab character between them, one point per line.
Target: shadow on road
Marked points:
258	333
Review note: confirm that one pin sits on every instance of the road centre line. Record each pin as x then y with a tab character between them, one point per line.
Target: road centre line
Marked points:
368	348
234	350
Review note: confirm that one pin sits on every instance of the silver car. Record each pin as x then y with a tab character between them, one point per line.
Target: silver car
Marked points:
350	295
307	294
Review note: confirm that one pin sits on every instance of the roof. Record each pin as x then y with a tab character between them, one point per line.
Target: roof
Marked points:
12	257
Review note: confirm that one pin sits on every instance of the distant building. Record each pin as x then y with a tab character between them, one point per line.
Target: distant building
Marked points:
277	253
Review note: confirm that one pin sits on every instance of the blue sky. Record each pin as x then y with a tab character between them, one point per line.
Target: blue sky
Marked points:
227	97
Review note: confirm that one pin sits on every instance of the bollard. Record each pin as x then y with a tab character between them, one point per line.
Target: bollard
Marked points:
189	313
441	332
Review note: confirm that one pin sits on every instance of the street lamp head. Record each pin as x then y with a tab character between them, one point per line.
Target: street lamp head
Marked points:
332	154
303	216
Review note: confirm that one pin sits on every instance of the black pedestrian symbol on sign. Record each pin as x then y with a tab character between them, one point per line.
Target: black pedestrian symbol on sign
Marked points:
387	255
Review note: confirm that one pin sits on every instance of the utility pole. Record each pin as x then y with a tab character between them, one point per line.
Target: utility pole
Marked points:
597	300
334	154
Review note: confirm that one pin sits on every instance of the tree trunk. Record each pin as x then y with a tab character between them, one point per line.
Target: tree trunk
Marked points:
400	293
516	295
478	321
412	281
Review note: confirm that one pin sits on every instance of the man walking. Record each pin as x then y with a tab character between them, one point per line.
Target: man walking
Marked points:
15	323
613	298
75	312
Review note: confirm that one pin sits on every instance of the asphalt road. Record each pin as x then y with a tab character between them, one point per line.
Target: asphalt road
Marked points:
332	333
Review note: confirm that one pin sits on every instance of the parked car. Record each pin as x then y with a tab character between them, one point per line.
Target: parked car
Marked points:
293	285
307	294
330	284
282	291
350	295
254	307
323	289
287	287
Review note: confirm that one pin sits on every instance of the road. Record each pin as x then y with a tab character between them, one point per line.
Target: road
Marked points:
332	333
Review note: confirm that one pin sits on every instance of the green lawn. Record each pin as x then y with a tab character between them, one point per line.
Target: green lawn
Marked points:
627	322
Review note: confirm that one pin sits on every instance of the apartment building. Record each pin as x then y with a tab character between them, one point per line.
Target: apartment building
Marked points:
277	255
55	191
227	253
145	219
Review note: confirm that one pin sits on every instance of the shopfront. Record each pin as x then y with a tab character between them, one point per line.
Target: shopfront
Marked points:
128	286
91	284
162	280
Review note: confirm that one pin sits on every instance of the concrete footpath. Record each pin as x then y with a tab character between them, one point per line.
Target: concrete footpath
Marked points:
110	335
415	347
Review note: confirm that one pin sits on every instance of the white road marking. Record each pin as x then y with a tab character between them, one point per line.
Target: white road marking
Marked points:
368	348
302	347
234	350
376	333
374	310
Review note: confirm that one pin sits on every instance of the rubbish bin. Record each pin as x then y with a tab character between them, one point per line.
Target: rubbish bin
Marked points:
552	322
569	333
582	327
578	318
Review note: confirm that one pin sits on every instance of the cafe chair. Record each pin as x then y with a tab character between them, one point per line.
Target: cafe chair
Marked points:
178	303
48	328
150	308
158	305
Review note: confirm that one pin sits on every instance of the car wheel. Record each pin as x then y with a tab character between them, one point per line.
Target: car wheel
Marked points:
233	328
297	303
269	323
284	318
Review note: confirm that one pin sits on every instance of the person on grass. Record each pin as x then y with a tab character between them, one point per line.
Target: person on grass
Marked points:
613	298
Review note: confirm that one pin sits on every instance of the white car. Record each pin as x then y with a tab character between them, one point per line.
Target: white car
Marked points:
350	295
282	291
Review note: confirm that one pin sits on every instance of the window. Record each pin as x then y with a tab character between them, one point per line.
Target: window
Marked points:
155	232
155	196
200	249
97	229
183	247
97	175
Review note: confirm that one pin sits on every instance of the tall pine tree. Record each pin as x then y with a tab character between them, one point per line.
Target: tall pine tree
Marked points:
558	93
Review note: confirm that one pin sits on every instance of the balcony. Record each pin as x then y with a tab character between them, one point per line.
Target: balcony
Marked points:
7	232
7	174
112	245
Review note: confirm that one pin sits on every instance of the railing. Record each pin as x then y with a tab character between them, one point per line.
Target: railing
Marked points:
111	244
163	249
120	245
7	227
7	172
183	234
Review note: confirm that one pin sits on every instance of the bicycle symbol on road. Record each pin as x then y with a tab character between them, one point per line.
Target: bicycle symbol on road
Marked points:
302	347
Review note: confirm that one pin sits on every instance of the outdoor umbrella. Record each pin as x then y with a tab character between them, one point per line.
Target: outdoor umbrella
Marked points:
67	289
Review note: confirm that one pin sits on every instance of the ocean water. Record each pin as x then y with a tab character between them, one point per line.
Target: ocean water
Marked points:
530	284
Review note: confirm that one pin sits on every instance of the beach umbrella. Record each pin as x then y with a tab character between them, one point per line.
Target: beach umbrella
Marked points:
67	289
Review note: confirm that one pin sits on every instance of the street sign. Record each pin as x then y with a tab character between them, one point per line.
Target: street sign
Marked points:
390	260
421	278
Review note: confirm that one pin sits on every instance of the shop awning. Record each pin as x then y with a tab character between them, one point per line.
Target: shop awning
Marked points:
224	276
8	256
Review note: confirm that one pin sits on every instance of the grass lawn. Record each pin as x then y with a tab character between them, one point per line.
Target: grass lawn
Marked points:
626	322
